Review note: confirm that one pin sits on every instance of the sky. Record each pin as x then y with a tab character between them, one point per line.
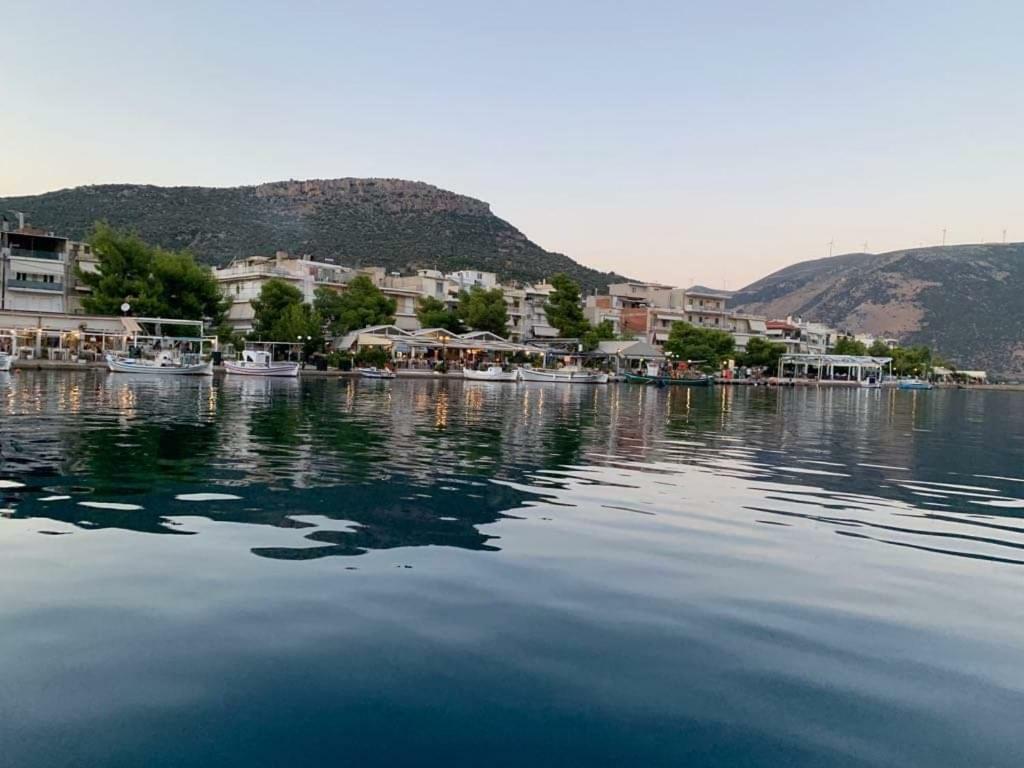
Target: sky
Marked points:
682	142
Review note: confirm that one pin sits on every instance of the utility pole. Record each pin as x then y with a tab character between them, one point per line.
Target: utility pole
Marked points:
943	235
830	244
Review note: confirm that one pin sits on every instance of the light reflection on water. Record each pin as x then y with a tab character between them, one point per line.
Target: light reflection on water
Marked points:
293	570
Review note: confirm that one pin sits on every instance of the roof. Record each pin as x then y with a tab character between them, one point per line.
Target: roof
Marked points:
781	325
629	348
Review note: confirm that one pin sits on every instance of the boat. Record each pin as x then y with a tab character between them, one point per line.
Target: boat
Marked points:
654	376
664	381
914	384
163	365
376	373
871	382
5	361
257	362
490	373
567	375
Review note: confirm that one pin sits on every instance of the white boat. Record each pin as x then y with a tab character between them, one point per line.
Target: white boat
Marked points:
257	362
913	383
567	375
871	382
376	373
5	361
163	365
490	373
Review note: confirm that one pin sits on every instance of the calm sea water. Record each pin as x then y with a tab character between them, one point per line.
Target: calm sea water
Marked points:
278	573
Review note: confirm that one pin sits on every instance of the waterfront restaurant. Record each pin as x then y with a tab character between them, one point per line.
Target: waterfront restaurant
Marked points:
843	368
431	345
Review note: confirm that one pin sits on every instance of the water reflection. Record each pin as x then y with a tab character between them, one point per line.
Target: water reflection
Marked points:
431	463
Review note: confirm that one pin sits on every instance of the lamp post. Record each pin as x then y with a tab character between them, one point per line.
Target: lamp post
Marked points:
444	339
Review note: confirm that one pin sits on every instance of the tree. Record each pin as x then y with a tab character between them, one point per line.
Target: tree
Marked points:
362	304
704	347
299	323
328	304
484	310
434	313
603	331
911	361
849	346
879	348
563	308
276	296
761	353
155	282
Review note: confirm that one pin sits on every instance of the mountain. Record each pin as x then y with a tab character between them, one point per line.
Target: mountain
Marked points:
401	225
965	301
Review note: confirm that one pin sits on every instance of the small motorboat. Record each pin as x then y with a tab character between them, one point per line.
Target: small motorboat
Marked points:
5	362
871	382
163	365
490	373
567	375
914	384
376	373
256	362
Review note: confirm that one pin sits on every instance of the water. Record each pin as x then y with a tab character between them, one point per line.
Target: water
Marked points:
442	573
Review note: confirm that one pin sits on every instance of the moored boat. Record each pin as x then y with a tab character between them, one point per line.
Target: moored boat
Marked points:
256	362
490	373
914	384
5	362
871	382
664	381
163	365
567	375
376	373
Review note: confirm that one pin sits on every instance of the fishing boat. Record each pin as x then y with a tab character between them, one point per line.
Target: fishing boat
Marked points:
664	381
567	375
914	384
163	365
257	362
656	377
376	373
5	362
490	373
871	382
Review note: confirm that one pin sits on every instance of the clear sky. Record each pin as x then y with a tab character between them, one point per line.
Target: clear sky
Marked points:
706	142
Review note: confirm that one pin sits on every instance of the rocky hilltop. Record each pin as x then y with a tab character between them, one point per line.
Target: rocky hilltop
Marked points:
398	224
967	301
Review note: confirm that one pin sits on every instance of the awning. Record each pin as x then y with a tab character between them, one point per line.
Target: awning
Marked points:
130	325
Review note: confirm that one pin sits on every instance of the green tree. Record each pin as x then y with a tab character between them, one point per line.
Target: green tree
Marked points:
879	348
276	296
362	304
761	353
299	323
911	361
155	282
564	309
603	331
328	304
484	310
849	346
704	347
434	313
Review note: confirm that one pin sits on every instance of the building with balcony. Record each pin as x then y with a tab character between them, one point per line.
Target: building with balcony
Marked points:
33	270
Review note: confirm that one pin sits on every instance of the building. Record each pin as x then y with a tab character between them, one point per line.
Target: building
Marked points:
801	336
33	269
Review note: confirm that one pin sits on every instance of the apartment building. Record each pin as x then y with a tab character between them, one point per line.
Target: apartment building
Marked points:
33	269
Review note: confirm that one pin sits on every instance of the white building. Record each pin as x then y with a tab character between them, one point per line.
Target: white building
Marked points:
33	270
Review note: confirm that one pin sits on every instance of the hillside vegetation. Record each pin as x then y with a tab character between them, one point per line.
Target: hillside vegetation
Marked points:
401	225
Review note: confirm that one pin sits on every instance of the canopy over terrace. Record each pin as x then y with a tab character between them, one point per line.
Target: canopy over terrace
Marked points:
410	342
832	367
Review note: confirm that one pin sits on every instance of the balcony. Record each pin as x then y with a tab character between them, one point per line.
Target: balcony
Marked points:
35	285
28	253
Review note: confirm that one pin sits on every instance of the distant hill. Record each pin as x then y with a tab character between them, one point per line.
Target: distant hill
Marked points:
401	225
966	301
